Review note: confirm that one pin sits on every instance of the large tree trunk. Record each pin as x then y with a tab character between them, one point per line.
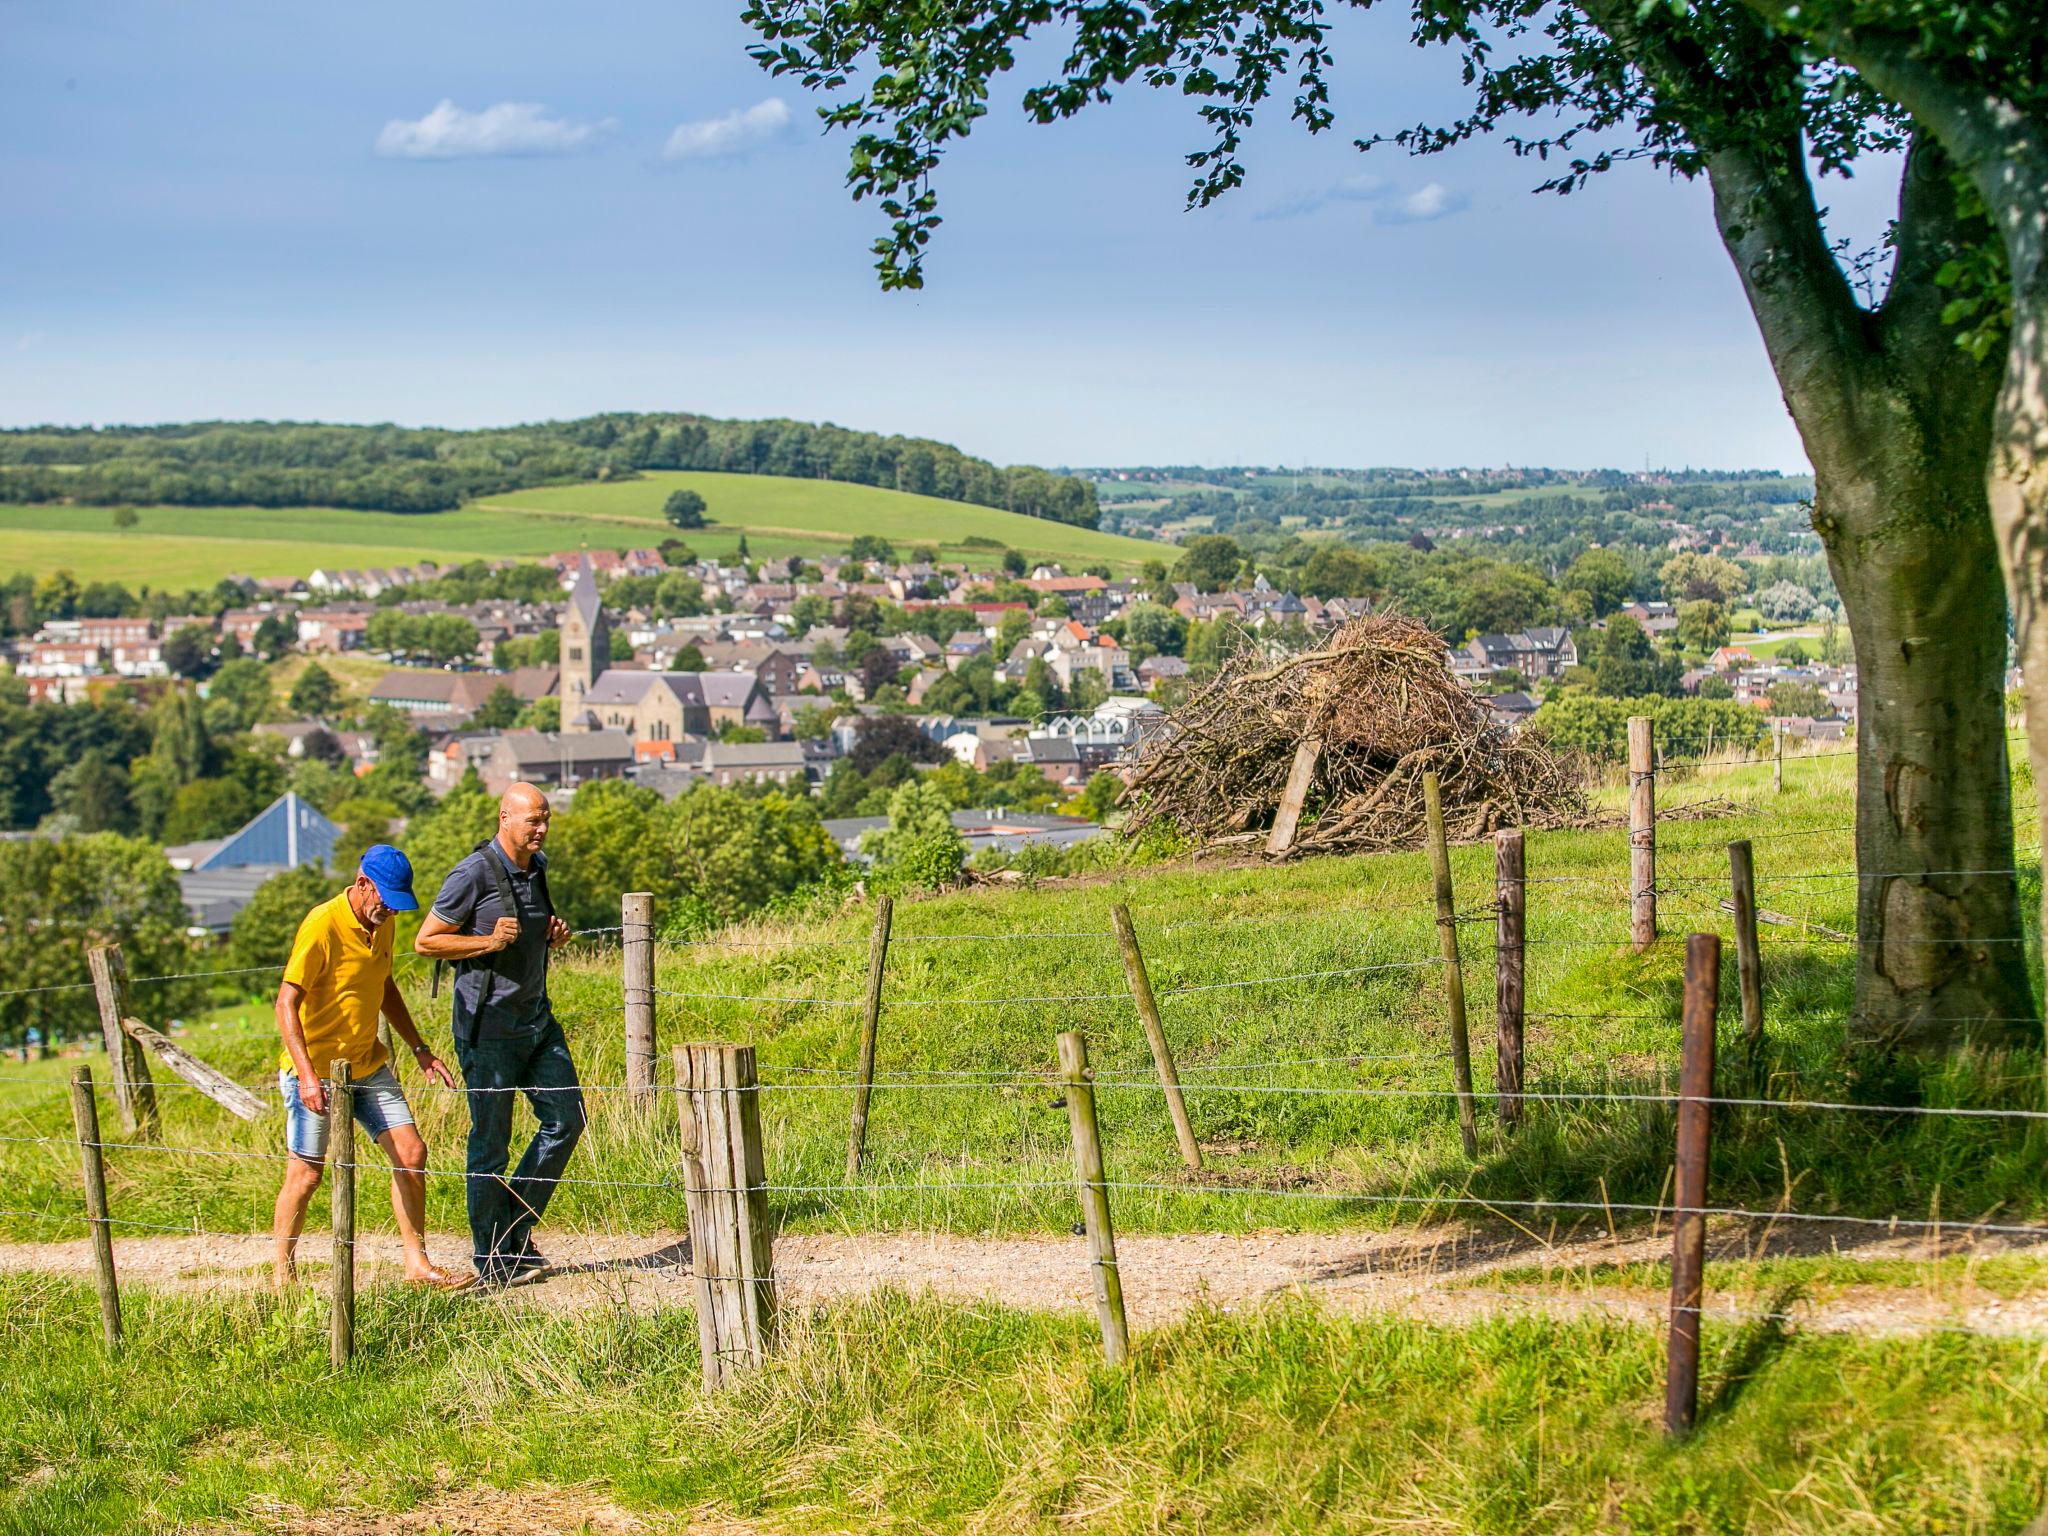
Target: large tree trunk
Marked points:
2019	483
1897	422
1936	919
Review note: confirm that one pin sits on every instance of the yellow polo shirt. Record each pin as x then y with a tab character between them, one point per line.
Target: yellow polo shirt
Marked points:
342	971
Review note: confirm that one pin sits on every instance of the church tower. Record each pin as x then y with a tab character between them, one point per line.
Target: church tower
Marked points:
586	646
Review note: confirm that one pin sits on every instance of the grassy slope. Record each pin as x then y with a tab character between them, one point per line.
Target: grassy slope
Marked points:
193	546
783	516
892	1415
1602	1020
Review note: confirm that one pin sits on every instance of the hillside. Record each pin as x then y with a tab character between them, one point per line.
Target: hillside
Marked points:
178	546
1883	1376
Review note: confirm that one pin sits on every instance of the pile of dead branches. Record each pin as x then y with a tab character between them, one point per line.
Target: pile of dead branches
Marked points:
1324	752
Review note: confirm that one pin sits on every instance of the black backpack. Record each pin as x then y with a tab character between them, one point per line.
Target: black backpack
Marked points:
508	902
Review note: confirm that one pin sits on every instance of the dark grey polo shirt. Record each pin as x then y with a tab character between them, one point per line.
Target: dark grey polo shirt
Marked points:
468	899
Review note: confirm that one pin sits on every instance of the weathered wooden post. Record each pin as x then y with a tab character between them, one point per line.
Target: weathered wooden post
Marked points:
341	1168
724	1173
1089	1185
134	1091
870	1022
1454	970
211	1081
1749	958
1778	757
1155	1033
85	1117
1642	832
1689	1218
1511	898
636	927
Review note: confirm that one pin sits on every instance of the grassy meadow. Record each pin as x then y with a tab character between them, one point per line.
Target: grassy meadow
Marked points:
899	1413
1305	1009
180	547
894	1414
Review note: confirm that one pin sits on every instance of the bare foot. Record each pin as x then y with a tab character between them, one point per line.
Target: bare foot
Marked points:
433	1277
284	1274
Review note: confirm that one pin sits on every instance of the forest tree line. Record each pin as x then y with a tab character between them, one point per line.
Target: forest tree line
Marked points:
407	469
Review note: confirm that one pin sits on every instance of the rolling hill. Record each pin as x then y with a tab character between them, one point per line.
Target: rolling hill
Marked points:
181	547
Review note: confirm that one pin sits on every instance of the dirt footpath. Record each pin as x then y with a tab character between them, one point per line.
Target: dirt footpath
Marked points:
1441	1274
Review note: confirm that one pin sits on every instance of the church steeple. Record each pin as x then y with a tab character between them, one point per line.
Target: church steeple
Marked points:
586	645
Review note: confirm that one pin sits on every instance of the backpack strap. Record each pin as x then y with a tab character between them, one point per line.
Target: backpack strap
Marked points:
508	904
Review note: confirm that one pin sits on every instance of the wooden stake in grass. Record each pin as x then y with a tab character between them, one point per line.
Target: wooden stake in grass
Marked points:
341	1164
1689	1218
1778	757
1155	1033
1454	970
1749	958
1301	774
636	928
85	1117
870	1022
1511	897
1090	1186
724	1179
1642	833
127	1067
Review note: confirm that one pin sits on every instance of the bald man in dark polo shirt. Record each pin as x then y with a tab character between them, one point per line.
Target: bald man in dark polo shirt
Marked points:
494	920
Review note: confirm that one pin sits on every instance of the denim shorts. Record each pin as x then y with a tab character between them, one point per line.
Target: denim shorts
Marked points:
379	1105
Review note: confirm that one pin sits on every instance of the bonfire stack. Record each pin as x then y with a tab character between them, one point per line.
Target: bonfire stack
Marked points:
1324	752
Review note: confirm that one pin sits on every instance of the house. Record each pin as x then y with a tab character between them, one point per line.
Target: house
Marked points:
459	694
726	763
334	629
1544	651
283	835
1154	670
555	758
667	706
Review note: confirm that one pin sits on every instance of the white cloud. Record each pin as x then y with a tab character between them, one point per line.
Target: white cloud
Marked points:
509	128
1362	188
1434	201
733	134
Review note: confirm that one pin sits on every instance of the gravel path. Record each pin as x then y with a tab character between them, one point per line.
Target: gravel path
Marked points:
1439	1273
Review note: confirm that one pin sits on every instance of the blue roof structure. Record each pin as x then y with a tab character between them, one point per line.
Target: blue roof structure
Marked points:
285	835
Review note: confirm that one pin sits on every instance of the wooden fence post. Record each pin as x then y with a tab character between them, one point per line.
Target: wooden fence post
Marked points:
731	1254
1089	1185
636	927
1749	958
341	1168
1454	970
1155	1033
1642	832
1778	757
870	1022
85	1117
134	1092
1689	1220
1511	895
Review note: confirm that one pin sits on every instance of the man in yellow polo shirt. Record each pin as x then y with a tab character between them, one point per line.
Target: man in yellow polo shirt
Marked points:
335	984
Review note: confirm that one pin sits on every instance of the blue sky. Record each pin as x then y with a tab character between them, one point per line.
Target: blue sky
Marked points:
244	210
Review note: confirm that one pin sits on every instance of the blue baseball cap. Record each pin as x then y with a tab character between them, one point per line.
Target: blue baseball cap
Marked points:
391	872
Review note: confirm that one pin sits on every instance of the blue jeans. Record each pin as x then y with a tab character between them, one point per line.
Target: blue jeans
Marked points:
535	1062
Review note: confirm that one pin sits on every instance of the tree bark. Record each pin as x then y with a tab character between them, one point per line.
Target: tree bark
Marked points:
1897	422
2001	144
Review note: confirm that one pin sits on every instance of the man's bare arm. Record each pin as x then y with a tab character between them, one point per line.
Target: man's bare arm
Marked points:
400	1015
311	1093
439	940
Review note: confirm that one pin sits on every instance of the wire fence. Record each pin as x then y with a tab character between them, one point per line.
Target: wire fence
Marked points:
798	1083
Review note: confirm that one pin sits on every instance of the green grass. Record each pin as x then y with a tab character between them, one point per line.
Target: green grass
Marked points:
897	1415
993	1156
782	516
179	547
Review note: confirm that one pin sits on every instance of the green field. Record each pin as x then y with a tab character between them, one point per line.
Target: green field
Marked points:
180	547
898	1413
